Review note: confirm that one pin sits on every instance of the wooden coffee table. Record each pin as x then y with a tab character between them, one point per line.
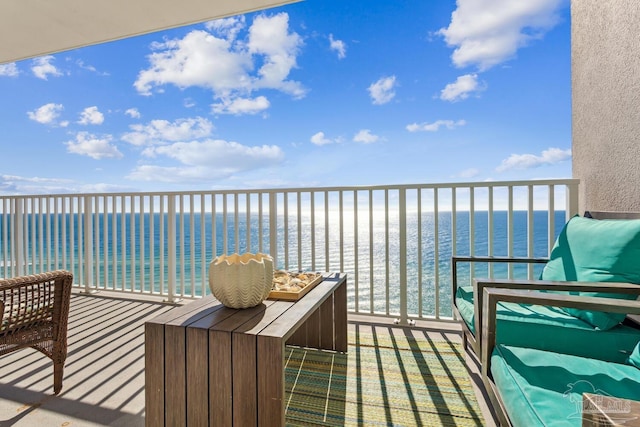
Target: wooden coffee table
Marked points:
207	364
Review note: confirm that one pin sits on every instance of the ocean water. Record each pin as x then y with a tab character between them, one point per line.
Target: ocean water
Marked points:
130	252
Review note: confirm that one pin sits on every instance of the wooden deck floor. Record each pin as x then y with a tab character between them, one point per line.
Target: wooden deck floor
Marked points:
104	374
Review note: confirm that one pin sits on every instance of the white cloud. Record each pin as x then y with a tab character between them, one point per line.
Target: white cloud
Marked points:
320	139
13	184
488	32
81	64
435	126
461	88
230	66
9	70
91	116
42	67
240	106
162	132
217	153
529	161
227	28
469	173
46	114
87	144
133	113
206	160
339	46
382	91
366	137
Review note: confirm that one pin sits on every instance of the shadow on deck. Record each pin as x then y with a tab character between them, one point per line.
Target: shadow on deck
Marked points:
104	373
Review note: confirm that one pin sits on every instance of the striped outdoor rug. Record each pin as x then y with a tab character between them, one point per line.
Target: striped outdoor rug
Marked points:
388	380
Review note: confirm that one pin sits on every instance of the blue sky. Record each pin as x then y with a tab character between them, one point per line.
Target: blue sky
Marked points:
316	93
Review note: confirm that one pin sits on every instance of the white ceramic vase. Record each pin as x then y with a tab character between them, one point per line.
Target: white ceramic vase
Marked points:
241	281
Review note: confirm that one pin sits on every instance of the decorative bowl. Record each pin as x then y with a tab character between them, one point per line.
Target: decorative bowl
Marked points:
241	281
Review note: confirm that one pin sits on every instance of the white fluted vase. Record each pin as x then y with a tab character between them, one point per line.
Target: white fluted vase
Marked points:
241	281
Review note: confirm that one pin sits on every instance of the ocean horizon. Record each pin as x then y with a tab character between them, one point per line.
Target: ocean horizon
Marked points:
128	249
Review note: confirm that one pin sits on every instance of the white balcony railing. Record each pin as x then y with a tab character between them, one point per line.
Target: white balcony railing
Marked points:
394	242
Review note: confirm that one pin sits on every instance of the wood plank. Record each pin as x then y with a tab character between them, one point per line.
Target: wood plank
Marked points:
340	315
197	366
327	324
154	375
220	379
244	344
299	337
182	310
245	395
271	405
175	376
313	328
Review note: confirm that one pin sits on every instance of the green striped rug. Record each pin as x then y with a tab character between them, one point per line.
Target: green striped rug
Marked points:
383	380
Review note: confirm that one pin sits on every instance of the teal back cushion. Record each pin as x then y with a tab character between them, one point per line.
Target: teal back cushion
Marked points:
590	250
634	358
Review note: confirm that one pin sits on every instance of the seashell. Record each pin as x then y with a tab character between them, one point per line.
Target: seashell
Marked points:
241	281
281	280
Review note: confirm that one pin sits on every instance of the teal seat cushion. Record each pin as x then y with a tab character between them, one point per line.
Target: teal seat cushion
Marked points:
550	328
543	388
590	250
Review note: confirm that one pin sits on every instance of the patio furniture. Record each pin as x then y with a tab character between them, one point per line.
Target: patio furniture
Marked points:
207	364
532	387
34	311
589	256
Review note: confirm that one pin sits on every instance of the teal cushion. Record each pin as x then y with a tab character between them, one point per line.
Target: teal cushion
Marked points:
549	328
590	250
543	388
634	358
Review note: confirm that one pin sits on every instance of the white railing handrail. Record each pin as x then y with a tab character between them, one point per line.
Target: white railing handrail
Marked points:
393	241
443	185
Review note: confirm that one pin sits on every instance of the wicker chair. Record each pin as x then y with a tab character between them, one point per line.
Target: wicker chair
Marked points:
35	312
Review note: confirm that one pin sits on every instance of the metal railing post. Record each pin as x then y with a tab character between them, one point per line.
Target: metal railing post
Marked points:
171	249
402	224
87	226
572	201
273	228
18	241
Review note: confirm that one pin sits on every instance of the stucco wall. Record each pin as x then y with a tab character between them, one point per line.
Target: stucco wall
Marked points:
605	60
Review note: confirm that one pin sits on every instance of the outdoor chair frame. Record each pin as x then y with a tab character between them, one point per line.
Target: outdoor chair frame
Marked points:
473	341
490	301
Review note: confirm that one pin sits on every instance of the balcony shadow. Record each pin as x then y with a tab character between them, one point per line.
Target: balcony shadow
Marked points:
64	407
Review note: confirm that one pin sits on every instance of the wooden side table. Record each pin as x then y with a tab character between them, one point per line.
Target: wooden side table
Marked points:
599	411
207	364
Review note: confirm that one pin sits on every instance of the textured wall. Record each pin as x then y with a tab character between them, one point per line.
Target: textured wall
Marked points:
605	62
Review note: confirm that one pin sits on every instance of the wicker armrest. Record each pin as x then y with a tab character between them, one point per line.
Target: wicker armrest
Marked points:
537	285
493	295
34	299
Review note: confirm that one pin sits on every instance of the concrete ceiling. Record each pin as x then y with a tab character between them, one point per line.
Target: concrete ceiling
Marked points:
30	28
